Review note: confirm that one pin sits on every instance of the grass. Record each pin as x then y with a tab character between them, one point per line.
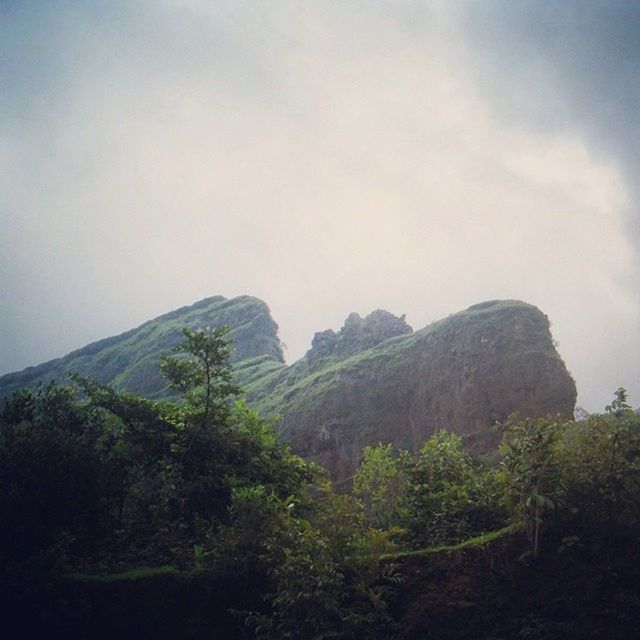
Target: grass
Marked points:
318	381
130	360
253	370
475	542
139	573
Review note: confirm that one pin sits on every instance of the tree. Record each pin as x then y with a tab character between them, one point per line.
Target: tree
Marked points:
381	485
600	462
528	450
56	476
104	472
328	581
223	452
450	497
203	373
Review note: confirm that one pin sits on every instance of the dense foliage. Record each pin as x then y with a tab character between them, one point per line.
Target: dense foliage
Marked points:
108	478
95	482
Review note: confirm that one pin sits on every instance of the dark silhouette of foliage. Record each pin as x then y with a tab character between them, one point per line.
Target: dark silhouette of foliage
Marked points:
95	483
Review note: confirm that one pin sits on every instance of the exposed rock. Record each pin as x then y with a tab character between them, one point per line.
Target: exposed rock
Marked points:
462	373
323	345
130	360
356	335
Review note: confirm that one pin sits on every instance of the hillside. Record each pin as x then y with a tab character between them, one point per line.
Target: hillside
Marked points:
130	360
377	381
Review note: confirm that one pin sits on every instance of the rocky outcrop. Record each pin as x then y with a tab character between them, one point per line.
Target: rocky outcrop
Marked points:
130	360
356	335
462	373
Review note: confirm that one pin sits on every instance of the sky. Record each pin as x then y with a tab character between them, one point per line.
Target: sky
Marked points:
326	156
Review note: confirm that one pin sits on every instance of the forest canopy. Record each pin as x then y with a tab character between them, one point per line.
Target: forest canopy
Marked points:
99	482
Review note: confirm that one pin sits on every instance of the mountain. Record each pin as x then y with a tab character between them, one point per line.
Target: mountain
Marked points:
130	360
377	381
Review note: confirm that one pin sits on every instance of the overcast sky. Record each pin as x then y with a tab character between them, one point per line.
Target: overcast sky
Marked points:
328	157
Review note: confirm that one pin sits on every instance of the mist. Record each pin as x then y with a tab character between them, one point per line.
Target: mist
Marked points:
327	157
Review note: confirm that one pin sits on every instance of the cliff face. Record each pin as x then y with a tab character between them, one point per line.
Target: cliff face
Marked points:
130	360
462	373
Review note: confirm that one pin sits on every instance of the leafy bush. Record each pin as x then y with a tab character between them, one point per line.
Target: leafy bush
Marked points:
450	496
57	470
119	478
381	484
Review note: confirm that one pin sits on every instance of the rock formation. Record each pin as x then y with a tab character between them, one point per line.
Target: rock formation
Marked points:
356	335
462	373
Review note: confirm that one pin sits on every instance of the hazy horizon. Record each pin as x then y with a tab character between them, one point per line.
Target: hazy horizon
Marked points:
326	157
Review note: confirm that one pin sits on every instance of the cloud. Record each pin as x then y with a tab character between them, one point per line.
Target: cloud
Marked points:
325	156
570	65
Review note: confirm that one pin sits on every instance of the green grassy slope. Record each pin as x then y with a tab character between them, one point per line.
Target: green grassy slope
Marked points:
130	360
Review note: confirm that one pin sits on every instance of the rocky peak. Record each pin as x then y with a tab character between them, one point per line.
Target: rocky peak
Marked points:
357	334
323	344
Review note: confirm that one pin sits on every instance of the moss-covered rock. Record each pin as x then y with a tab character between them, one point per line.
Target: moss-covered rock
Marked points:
463	373
130	360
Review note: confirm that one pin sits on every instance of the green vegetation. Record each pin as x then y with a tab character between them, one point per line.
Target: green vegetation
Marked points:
110	500
382	486
304	386
133	574
130	361
471	543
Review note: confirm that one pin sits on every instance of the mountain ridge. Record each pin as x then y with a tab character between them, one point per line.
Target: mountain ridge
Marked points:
213	310
374	380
